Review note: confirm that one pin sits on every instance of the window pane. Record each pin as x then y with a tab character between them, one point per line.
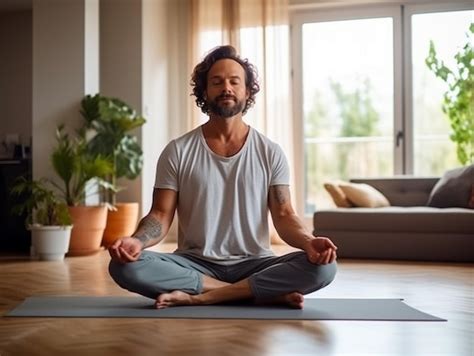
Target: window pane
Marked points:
434	152
347	103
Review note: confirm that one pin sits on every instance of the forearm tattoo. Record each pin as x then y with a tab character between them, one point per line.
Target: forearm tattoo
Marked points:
280	193
148	229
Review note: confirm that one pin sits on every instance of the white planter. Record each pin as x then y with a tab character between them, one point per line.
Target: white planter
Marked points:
50	243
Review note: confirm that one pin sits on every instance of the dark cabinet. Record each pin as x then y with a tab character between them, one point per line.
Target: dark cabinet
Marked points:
14	237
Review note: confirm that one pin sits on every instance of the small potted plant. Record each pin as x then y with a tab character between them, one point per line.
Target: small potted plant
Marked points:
47	217
110	122
77	167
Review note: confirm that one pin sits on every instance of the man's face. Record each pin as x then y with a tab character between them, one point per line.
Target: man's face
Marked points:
226	93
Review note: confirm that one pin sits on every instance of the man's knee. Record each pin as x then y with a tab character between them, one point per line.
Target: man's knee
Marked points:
151	275
317	276
297	274
123	273
324	274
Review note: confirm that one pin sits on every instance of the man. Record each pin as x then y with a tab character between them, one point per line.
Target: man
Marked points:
222	178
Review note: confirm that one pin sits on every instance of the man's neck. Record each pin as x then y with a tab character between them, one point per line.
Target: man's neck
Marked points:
225	130
225	137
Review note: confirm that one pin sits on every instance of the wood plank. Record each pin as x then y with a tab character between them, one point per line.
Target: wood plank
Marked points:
442	289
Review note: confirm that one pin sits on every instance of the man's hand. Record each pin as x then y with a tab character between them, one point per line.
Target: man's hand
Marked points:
321	251
126	249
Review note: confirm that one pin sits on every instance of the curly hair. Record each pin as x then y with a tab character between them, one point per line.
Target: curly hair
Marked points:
199	76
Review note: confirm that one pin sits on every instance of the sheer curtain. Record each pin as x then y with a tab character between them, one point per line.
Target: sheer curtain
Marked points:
259	30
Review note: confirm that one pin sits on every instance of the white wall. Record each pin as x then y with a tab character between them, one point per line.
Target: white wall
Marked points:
16	74
62	53
121	66
155	79
177	32
165	85
144	63
143	60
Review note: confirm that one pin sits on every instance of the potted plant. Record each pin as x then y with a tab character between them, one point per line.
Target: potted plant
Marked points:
47	217
458	101
76	167
110	122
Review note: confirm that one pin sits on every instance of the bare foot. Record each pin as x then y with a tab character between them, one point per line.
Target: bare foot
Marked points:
172	299
293	300
176	298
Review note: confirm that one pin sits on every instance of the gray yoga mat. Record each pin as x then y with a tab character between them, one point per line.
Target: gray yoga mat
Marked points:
140	307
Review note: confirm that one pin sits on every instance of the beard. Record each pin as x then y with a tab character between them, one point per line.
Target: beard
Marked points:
225	111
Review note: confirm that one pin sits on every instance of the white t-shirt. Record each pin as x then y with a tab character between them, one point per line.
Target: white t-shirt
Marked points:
222	201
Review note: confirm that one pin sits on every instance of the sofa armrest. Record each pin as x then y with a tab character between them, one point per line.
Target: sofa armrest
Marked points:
402	190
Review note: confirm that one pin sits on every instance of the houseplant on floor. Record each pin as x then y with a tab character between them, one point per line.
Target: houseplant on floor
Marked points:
76	166
47	217
110	122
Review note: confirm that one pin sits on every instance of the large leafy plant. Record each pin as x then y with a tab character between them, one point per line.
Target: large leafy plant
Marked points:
76	166
40	203
458	102
110	121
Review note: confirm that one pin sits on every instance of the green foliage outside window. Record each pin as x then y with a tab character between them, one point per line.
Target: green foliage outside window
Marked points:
359	119
458	103
356	117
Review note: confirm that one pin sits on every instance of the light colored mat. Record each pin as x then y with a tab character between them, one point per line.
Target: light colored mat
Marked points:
140	307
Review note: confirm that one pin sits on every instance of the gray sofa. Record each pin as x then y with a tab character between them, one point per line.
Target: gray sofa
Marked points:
407	230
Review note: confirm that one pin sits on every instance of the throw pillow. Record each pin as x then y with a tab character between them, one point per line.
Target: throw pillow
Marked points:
364	195
453	189
337	195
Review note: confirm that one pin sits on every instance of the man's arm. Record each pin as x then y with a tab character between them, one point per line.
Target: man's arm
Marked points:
151	229
292	230
155	225
288	225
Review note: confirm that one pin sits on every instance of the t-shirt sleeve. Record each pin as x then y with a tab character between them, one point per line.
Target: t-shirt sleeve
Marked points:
280	168
167	168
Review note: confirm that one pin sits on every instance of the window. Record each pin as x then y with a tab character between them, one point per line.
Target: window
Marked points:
434	152
347	104
365	103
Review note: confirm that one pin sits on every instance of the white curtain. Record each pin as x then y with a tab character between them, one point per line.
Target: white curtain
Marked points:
259	30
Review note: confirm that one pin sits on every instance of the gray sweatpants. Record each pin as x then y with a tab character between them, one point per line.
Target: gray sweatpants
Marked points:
155	273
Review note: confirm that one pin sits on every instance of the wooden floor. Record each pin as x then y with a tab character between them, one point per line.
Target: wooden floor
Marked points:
445	290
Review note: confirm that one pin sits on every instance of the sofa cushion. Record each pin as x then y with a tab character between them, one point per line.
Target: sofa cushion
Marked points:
396	219
363	195
402	190
337	195
453	189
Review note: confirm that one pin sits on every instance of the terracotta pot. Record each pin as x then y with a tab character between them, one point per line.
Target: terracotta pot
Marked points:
88	228
121	222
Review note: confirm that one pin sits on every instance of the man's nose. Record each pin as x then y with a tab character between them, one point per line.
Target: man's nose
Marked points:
227	87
